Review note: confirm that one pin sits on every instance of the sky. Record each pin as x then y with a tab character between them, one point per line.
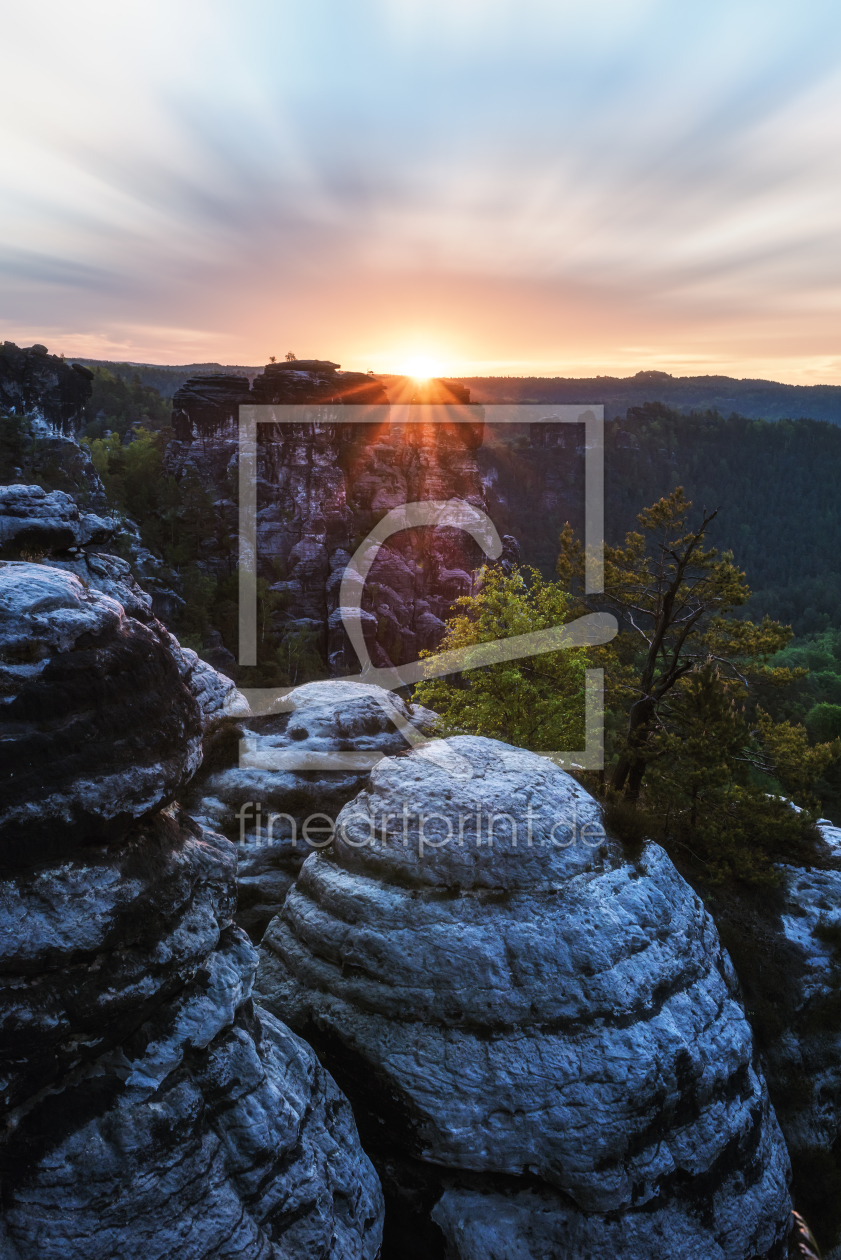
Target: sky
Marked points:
494	187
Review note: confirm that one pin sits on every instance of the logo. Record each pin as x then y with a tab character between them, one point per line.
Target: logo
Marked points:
587	631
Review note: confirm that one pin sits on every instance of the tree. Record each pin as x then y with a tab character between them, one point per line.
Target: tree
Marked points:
536	702
721	776
714	775
290	357
674	599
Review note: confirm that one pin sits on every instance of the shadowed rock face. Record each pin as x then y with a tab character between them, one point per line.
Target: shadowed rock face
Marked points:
810	1045
33	381
147	1109
323	486
548	1039
802	1049
329	724
97	726
32	518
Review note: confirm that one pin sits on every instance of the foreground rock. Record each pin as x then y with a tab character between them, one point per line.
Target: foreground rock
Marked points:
543	1041
97	726
149	1111
304	763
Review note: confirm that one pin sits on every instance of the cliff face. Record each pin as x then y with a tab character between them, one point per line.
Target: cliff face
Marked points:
35	382
543	1041
322	487
149	1111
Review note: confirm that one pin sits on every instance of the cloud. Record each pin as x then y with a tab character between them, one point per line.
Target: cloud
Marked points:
627	173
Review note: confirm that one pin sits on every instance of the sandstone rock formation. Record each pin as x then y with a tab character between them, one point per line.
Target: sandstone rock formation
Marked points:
35	382
99	728
809	1048
321	488
31	519
149	1111
543	1040
304	763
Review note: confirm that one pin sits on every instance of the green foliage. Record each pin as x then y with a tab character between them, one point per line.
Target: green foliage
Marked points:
823	722
714	774
778	480
165	380
131	474
536	702
13	442
682	663
187	526
299	658
117	403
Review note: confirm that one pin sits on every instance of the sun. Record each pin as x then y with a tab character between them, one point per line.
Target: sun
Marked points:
422	367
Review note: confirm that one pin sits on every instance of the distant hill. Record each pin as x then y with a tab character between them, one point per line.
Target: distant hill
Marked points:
164	377
756	399
767	400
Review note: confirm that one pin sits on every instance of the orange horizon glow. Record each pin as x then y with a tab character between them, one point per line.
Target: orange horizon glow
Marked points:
540	342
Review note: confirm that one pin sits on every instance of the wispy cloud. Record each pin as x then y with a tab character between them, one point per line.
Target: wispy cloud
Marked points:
619	184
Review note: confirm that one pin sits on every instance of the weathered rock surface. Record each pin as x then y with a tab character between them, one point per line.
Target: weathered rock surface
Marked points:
218	697
207	405
151	1112
32	519
101	571
306	762
321	488
552	1033
792	957
97	727
811	1045
33	381
148	1110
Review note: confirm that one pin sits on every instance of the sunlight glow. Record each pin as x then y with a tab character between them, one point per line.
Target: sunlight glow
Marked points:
421	367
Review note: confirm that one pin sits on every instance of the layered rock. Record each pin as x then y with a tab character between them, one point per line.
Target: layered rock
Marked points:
543	1040
791	956
98	727
322	486
98	571
148	1109
33	520
809	1050
315	381
784	943
35	382
208	405
304	763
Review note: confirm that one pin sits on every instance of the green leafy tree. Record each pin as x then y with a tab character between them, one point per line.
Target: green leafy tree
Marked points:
536	702
117	403
674	599
299	658
713	772
13	434
823	721
721	776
